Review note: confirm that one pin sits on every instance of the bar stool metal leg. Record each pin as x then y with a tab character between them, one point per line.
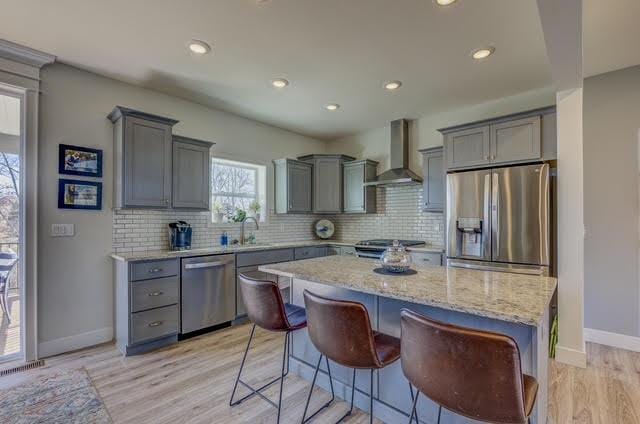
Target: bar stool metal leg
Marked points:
254	391
371	399
306	419
413	400
284	359
413	405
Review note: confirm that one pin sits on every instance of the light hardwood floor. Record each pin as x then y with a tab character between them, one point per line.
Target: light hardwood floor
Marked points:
191	382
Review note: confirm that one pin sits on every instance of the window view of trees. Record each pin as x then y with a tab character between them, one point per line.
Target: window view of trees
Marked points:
233	187
9	200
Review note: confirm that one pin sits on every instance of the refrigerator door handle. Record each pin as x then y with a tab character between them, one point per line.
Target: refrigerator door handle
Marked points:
495	215
487	225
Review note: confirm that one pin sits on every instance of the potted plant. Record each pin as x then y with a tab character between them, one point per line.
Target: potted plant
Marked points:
238	216
218	212
254	209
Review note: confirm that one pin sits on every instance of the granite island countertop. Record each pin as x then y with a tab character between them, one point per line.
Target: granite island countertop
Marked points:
517	298
216	250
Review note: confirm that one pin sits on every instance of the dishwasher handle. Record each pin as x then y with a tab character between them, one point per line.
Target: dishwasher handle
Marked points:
201	265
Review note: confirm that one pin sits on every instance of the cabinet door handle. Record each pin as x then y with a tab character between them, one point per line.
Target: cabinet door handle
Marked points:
154	270
158	293
155	323
486	158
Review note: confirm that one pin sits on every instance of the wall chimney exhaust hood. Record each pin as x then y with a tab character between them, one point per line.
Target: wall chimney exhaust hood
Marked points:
399	154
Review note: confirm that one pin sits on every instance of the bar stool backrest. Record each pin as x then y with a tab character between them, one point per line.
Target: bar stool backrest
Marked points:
341	330
264	304
473	373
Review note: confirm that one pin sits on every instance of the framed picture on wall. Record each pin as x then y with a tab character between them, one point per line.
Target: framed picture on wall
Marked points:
76	194
75	160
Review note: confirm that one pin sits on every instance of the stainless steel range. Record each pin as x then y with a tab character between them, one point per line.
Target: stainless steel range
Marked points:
373	248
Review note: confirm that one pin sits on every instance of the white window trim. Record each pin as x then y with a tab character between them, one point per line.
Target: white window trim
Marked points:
261	183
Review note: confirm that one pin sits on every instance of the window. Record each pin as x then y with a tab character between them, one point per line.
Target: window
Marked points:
237	186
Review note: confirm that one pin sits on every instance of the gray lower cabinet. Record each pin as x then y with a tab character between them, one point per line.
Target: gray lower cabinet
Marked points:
359	198
309	252
191	173
147	304
333	251
327	181
293	186
520	138
143	156
426	258
433	194
247	263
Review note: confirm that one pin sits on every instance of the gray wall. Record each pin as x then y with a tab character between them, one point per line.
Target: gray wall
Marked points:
75	278
611	126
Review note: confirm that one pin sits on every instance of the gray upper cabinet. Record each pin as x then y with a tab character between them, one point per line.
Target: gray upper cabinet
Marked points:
143	157
327	181
523	137
433	182
515	141
359	198
293	186
191	173
469	147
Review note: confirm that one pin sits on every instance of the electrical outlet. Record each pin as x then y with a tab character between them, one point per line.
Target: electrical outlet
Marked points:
62	230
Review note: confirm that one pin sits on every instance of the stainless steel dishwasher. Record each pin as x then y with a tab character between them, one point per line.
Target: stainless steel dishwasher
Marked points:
208	291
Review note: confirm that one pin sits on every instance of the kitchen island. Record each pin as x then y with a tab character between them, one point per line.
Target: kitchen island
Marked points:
513	304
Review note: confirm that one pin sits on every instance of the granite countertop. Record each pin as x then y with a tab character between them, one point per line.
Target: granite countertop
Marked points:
504	296
214	250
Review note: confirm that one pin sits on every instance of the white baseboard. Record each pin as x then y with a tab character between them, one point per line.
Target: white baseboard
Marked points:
78	341
571	356
621	341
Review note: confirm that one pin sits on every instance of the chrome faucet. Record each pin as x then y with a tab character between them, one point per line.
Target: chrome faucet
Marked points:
242	240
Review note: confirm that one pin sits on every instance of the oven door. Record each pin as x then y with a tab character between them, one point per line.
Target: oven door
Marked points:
369	252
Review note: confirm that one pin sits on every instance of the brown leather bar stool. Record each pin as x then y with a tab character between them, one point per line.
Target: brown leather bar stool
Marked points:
473	373
266	310
342	332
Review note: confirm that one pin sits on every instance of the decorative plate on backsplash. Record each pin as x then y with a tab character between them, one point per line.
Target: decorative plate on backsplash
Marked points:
324	228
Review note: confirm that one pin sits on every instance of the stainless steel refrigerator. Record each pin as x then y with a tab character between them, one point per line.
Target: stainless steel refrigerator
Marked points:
499	219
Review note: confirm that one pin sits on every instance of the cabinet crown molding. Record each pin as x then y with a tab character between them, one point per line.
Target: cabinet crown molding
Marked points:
120	111
25	55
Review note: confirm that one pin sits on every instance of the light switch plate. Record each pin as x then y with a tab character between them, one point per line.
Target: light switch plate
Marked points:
62	230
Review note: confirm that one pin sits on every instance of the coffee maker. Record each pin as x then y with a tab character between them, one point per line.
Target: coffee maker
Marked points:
179	235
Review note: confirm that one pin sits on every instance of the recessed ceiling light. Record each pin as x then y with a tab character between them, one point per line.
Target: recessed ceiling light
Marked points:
199	47
445	2
332	106
483	53
393	85
279	83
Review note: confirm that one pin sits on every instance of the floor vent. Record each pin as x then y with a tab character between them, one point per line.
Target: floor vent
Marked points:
25	367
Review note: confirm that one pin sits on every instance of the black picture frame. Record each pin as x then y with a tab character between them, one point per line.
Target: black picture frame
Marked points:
64	164
63	200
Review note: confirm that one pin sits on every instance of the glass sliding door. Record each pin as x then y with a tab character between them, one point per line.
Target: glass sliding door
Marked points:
11	289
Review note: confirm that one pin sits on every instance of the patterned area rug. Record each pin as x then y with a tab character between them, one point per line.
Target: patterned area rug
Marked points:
64	397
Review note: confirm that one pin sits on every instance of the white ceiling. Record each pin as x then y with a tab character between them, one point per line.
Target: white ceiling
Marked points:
611	35
330	50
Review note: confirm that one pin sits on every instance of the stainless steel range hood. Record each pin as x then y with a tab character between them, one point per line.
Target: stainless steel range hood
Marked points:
399	152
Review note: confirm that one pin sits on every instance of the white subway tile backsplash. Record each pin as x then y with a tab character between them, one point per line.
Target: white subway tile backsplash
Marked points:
399	216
